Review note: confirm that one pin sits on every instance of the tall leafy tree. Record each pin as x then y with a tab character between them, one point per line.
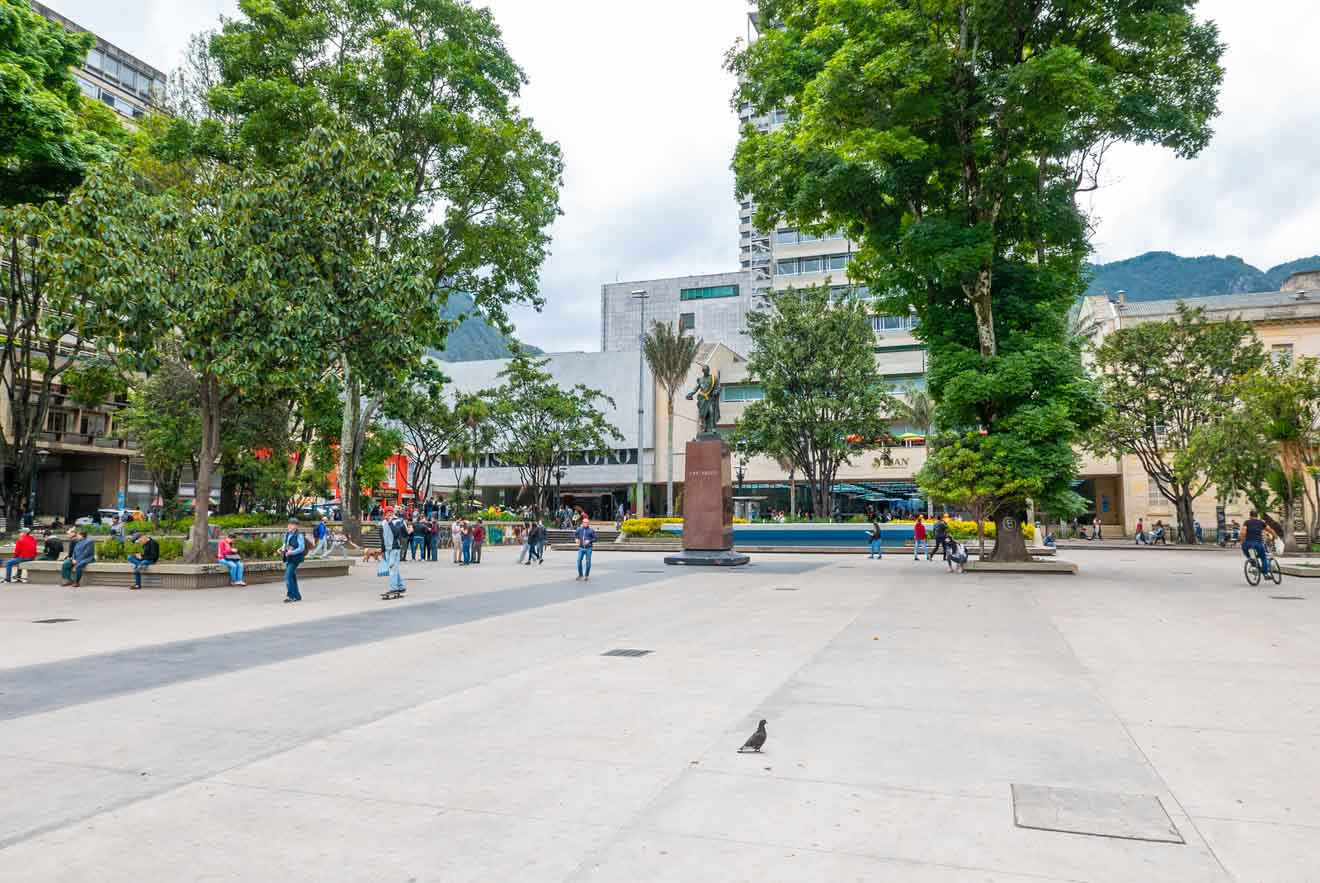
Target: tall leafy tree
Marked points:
949	139
538	424
670	353
435	76
429	427
236	269
1161	382
814	360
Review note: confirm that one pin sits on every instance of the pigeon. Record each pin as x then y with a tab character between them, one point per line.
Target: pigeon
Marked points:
754	741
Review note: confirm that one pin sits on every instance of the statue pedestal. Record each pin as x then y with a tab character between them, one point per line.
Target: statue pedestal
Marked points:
707	506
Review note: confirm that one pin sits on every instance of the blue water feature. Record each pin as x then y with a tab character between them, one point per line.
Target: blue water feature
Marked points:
811	534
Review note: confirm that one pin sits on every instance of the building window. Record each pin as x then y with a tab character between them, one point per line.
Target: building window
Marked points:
1153	495
95	59
839	261
687	321
93	424
894	323
786	268
811	265
708	293
786	237
389	473
1282	353
87	88
741	392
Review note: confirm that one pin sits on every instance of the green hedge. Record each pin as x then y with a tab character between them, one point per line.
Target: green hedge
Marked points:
113	550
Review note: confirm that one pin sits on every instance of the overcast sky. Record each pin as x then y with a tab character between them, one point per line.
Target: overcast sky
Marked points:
635	94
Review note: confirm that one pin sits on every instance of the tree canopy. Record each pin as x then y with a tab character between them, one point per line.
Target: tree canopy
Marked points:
949	140
825	401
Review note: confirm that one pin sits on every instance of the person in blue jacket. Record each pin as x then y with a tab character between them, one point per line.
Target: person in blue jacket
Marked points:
293	552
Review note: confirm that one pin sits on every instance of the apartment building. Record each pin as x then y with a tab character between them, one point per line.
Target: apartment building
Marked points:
121	81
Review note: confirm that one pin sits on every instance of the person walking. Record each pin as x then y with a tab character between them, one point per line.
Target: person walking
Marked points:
1140	537
150	555
586	538
478	540
456	539
321	533
82	554
394	542
918	538
877	541
525	530
536	543
1095	528
940	535
25	550
227	555
293	551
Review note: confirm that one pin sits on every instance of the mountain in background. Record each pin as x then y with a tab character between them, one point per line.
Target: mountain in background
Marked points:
1156	275
474	339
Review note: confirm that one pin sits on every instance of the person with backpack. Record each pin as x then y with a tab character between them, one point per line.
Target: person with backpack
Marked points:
393	542
321	533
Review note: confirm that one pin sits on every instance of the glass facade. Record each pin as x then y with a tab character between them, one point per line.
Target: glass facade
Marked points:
742	392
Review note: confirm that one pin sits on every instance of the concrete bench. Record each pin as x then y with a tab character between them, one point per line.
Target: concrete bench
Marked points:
175	575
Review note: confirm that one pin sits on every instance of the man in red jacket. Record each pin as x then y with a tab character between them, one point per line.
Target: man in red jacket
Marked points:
24	550
918	538
478	539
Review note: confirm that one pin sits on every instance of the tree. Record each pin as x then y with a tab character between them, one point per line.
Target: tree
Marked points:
435	76
429	428
162	422
670	354
49	312
47	139
950	138
235	270
1268	445
814	361
474	439
538	424
1161	382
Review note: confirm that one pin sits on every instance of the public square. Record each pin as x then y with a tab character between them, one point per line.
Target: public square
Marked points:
475	730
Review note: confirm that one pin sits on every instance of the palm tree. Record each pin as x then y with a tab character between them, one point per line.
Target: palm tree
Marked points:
917	408
670	354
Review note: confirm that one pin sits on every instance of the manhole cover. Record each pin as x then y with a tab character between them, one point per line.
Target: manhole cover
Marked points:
626	653
50	621
1287	597
1096	813
786	588
650	571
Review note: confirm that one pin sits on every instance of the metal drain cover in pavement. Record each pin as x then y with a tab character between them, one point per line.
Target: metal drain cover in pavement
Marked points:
1097	813
627	653
1288	597
51	621
786	588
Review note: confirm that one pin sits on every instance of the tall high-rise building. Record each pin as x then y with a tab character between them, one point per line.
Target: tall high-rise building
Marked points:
121	81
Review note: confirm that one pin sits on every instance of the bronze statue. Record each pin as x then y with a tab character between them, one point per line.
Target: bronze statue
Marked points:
707	392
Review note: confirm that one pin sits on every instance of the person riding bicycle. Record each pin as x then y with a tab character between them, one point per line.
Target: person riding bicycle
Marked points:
1253	539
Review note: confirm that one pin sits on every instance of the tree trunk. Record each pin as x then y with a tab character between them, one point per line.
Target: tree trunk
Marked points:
669	478
1186	531
1010	544
348	458
792	495
199	551
982	307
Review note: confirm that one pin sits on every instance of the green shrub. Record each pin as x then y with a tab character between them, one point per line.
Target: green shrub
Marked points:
258	550
113	550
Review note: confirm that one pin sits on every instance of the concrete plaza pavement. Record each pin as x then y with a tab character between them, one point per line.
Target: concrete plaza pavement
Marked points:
474	732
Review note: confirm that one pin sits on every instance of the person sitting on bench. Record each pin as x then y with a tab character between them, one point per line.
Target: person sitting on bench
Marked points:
83	554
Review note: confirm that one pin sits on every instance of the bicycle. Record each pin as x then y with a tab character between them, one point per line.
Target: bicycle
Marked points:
1252	572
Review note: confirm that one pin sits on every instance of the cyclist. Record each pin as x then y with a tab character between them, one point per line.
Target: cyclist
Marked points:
1253	538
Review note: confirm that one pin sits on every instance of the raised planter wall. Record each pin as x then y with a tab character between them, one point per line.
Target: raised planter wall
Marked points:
173	575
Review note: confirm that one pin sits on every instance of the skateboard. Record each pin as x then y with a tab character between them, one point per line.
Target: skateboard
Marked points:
392	594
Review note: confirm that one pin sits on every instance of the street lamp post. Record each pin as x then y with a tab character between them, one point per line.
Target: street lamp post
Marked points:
740	473
642	296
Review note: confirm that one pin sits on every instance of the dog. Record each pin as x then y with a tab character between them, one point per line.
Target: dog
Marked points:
372	555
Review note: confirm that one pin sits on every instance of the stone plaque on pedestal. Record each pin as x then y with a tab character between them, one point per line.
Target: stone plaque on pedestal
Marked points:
707	505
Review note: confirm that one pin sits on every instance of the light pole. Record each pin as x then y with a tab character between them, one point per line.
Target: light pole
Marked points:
641	295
